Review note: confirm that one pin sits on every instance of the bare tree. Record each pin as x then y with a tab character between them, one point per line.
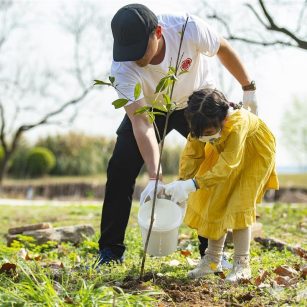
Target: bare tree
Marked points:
294	36
33	92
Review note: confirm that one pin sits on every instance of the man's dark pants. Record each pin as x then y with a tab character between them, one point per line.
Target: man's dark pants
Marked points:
124	166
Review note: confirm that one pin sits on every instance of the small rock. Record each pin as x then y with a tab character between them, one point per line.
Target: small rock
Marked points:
73	234
20	230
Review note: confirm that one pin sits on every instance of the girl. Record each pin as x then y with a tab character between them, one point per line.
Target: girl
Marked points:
229	163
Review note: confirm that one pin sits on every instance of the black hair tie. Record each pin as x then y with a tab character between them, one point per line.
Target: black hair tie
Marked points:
235	106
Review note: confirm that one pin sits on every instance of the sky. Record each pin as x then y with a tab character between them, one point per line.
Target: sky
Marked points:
279	73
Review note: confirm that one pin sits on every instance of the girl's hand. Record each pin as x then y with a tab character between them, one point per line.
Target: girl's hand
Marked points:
179	190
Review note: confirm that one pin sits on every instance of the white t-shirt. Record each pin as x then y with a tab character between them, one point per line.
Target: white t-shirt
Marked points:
200	42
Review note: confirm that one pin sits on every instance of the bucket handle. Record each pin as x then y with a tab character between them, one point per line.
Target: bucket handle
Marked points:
160	195
144	201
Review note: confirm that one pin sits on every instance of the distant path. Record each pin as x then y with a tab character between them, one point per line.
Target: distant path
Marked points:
47	202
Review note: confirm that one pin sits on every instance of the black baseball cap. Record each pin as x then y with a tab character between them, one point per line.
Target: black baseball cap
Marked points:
131	28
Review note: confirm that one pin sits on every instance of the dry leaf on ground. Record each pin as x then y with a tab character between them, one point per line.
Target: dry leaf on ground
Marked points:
185	253
261	277
286	280
8	268
285	270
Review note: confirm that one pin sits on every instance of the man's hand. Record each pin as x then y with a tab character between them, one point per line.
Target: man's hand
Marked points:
149	190
180	190
250	101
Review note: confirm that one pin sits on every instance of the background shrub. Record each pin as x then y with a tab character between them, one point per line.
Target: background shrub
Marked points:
78	154
19	162
40	161
74	154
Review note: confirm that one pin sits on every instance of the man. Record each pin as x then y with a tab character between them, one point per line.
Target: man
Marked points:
145	45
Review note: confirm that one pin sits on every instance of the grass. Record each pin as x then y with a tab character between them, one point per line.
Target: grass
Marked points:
61	275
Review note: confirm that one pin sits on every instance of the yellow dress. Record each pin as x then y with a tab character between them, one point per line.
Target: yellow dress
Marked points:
233	174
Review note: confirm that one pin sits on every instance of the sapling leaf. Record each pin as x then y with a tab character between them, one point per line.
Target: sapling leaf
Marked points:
171	107
162	85
99	82
142	110
171	70
158	113
137	91
118	103
159	106
167	99
112	79
151	117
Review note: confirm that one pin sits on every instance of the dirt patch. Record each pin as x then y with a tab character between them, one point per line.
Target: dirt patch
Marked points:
176	291
195	293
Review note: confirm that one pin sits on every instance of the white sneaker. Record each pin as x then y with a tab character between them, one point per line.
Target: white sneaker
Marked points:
204	267
241	270
225	263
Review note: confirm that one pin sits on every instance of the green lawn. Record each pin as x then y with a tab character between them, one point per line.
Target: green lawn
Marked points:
60	277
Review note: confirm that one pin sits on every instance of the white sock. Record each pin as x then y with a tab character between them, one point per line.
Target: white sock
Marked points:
215	249
241	241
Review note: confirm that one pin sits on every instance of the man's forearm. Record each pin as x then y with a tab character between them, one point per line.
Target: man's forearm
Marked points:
145	137
232	62
148	146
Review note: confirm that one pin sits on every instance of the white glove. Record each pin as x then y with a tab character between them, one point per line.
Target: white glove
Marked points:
149	190
180	190
250	101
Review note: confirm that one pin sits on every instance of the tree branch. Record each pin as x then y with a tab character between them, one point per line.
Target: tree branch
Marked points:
262	43
231	36
273	27
256	14
268	24
45	119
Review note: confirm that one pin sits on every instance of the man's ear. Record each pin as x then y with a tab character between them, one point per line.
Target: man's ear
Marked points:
158	32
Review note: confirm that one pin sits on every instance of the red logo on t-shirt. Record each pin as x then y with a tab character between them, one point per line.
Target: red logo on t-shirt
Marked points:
185	64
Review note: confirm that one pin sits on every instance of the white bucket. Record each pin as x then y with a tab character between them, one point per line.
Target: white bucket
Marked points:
168	217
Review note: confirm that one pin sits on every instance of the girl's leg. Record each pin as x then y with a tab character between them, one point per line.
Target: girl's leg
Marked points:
242	240
211	262
241	268
215	249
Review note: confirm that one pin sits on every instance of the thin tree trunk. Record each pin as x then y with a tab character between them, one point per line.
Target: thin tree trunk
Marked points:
161	151
3	166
